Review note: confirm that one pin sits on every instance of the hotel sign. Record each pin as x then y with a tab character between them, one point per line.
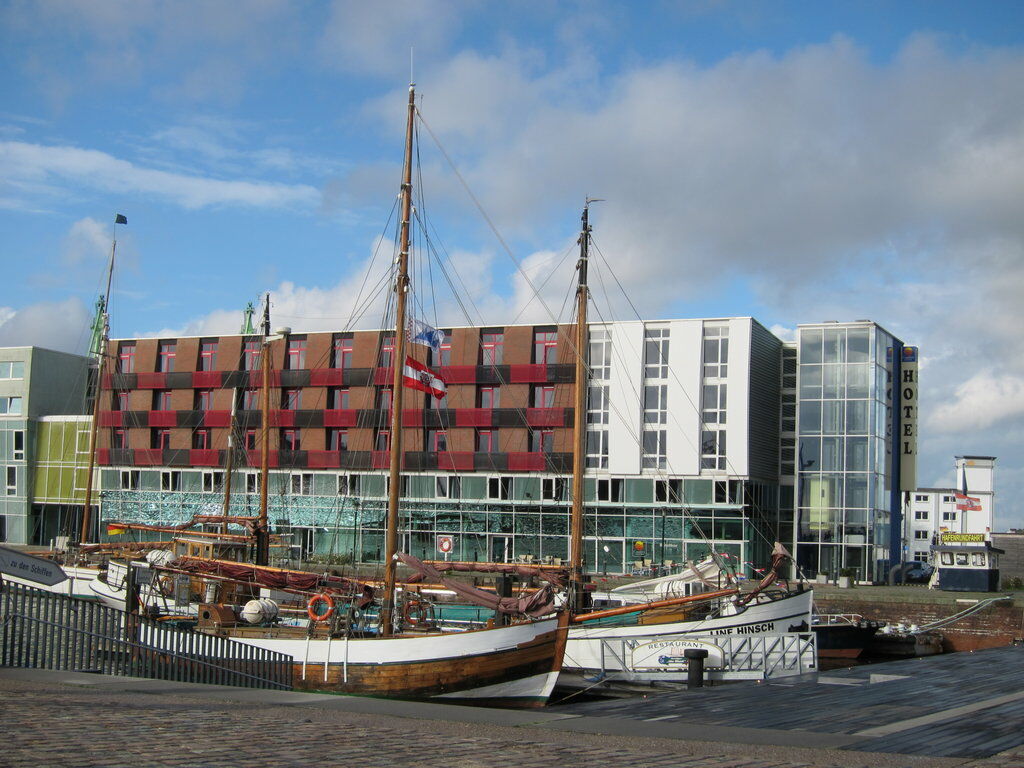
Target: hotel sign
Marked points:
907	403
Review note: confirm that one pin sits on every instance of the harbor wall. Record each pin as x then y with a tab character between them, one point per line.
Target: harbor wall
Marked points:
998	625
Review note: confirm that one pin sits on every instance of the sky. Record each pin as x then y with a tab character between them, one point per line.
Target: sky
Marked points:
791	161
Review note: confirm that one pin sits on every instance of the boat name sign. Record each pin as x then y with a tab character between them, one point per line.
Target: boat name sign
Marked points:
669	654
30	568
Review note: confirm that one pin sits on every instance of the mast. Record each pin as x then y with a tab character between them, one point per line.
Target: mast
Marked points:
262	526
230	461
579	421
398	362
104	337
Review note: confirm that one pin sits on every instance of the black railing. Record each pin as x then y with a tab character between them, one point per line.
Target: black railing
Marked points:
44	630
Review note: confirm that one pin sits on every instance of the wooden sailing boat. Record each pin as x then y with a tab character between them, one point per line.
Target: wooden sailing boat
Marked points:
514	665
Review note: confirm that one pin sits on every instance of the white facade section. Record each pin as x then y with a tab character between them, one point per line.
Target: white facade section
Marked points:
684	384
738	381
625	393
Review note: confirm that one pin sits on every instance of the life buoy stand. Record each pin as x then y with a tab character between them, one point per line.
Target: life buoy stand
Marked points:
416	613
316	602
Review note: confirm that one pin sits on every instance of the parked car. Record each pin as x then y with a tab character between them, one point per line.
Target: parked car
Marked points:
917	572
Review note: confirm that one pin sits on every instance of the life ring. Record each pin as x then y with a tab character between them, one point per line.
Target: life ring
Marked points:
416	613
312	607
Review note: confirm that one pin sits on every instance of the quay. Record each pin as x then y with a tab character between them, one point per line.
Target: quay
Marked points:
951	710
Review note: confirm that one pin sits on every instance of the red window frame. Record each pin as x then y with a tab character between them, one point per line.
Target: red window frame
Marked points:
251	356
126	357
545	347
161	399
338	399
438	441
444	354
384	399
291	399
382	441
119	401
387	351
201	439
166	354
119	440
207	355
296	356
544	397
543	441
204	399
161	439
486	441
491	348
337	439
291	439
343	353
250	439
490	397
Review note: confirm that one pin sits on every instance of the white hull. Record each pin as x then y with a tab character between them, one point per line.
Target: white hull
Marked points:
78	583
587	645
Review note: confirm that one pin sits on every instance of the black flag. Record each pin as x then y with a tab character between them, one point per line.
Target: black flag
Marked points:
120	219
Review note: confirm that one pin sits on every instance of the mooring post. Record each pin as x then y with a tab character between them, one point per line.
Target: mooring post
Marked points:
695	666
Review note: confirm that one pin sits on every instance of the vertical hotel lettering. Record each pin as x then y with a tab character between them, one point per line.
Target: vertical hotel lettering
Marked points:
908	419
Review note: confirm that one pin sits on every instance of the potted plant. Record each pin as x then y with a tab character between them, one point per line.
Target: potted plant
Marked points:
846	576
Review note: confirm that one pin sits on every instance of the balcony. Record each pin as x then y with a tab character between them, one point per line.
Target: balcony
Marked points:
163	418
204	457
111	419
148	457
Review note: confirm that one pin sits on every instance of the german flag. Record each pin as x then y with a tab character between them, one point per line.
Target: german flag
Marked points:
115	529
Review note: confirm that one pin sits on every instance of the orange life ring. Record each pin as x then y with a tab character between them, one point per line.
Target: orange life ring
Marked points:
315	601
416	613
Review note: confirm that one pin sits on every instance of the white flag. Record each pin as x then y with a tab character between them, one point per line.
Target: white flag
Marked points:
421	333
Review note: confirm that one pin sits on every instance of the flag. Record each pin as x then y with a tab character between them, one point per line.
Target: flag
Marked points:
418	376
113	529
967	503
120	219
421	333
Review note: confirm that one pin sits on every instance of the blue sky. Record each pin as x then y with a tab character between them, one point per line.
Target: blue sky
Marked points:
791	161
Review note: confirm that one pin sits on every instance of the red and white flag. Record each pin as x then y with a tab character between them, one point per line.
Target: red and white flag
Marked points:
967	503
418	376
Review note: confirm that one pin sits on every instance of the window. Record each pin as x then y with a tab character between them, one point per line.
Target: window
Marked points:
656	353
207	356
713	409
291	399
337	398
291	439
161	399
712	449
499	487
295	359
597	404
716	351
302	484
920	497
486	441
337	439
251	356
491	345
342	352
542	441
160	439
669	491
489	397
978	559
437	440
444	355
348	485
947	558
600	354
213	482
119	440
597	449
947	499
19	445
961	558
384	399
543	397
383	440
250	399
921	514
252	482
12	369
949	517
448	487
201	440
204	399
250	439
545	347
455	487
119	401
12	481
10	406
167	351
609	489
130	479
170	481
126	357
656	404
554	488
920	534
654	454
387	351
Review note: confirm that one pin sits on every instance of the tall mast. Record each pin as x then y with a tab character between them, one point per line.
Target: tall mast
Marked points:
579	421
104	323
230	461
398	362
262	526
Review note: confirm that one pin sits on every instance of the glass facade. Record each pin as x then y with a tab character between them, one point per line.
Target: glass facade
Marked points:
844	451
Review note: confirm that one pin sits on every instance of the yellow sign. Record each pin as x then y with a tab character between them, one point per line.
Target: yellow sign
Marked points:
963	538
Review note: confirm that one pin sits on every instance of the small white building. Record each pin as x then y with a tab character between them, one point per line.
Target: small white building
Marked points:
934	511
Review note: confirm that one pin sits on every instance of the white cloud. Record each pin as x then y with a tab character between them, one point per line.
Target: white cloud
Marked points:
86	241
982	401
61	325
35	164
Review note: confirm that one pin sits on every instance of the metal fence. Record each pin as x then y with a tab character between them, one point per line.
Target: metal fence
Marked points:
44	630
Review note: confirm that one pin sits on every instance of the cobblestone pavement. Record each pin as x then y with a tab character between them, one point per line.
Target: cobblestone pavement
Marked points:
50	723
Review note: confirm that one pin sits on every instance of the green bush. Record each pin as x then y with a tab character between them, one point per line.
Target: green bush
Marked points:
1013	583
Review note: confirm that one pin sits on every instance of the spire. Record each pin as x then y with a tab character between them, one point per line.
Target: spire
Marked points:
248	329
